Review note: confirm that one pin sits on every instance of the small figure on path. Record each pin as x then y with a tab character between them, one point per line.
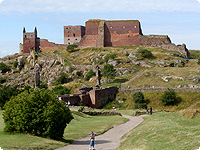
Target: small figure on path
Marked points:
92	138
147	111
150	111
98	75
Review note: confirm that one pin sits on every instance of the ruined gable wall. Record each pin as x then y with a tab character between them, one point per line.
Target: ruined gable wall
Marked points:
29	41
73	34
91	34
46	46
122	33
163	41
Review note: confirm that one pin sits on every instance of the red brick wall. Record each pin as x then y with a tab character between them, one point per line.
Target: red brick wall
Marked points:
122	33
29	41
46	46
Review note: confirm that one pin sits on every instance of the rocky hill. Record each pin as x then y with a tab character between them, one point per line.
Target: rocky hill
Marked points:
165	69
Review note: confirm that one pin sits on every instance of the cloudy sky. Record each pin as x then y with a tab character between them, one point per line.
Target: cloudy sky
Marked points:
180	19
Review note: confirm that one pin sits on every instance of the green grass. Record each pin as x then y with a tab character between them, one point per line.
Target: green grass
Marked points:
81	126
164	131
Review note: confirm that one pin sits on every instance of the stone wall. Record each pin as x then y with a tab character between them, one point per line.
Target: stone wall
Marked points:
163	41
158	89
46	46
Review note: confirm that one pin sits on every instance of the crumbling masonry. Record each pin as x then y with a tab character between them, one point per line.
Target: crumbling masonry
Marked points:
102	33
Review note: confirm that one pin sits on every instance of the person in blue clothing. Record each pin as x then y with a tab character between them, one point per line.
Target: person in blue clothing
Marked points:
92	138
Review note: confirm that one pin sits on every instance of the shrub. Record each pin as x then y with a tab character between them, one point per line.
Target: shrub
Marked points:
2	80
79	73
38	113
15	64
58	62
89	75
62	79
72	48
43	85
6	92
198	61
144	53
109	71
139	100
61	90
4	67
109	56
170	97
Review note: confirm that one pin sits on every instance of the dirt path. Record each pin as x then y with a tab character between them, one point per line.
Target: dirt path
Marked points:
110	140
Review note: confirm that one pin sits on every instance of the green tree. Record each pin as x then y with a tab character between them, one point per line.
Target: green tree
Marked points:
72	48
38	113
144	53
61	90
139	100
6	92
170	97
4	68
89	75
63	78
109	71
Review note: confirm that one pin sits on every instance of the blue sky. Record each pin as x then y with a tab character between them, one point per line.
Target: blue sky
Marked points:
180	19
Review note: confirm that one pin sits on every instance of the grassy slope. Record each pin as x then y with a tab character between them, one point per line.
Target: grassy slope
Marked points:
164	131
81	126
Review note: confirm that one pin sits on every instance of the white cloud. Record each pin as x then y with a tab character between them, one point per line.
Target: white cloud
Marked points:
198	1
1	1
99	6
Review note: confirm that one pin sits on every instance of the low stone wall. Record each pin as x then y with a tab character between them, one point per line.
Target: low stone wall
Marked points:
102	113
158	89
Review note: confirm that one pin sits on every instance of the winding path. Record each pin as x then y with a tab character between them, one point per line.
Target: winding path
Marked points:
110	140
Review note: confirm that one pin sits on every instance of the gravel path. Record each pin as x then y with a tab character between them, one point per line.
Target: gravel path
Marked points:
110	140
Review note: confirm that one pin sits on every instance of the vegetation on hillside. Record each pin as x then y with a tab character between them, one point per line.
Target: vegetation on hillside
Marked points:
38	113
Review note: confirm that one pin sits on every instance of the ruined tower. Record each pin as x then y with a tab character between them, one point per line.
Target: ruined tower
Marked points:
73	34
30	41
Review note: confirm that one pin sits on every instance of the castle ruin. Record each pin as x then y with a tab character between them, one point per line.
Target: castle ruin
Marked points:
102	33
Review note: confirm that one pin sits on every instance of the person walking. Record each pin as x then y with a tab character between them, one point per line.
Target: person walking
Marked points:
92	138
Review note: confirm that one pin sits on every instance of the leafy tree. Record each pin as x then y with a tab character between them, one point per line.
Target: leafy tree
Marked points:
61	90
38	113
4	67
6	92
72	48
144	53
170	97
198	61
15	64
139	100
43	85
63	78
89	74
109	71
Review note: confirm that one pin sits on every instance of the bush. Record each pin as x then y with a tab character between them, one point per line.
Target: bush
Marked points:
144	53
15	64
109	71
72	48
198	61
43	85
58	63
139	100
38	113
4	67
89	75
6	92
2	80
170	97
61	90
79	73
62	79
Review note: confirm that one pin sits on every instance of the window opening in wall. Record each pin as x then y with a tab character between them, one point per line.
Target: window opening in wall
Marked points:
66	28
74	35
68	39
135	27
111	27
68	31
124	27
25	36
76	39
69	43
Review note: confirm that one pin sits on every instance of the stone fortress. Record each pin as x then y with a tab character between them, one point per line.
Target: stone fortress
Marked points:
101	33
